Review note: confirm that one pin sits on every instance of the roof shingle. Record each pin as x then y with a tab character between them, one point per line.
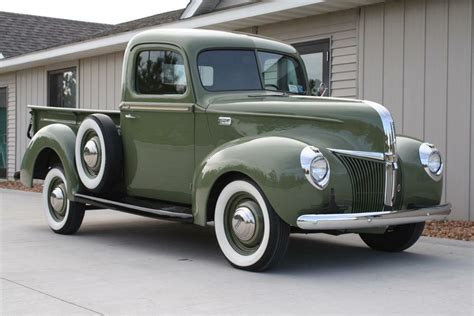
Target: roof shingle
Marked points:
21	33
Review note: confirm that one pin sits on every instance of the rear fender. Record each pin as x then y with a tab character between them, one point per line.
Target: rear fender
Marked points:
61	140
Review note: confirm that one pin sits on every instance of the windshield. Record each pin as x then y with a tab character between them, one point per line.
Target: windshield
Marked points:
238	70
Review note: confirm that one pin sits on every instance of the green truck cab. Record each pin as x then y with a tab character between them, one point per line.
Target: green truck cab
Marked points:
220	127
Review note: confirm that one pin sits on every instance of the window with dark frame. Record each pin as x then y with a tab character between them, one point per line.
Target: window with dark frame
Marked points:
62	88
315	55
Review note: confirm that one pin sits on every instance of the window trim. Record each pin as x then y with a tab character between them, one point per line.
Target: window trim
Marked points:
53	71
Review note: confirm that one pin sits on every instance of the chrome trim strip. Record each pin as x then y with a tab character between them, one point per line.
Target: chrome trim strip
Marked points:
49	120
362	154
54	108
156	106
371	219
314	118
391	166
388	126
135	207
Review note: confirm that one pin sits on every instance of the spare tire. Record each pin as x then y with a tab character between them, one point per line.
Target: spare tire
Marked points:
99	153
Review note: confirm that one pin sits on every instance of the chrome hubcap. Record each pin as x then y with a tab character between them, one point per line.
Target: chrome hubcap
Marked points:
243	223
91	153
57	200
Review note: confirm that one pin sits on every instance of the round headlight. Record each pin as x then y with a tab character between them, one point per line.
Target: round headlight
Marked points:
316	167
319	168
431	160
434	162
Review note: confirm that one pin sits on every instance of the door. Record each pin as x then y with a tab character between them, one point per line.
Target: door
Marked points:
315	55
3	132
157	122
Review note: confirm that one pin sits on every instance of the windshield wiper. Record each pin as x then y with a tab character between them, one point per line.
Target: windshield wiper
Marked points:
274	93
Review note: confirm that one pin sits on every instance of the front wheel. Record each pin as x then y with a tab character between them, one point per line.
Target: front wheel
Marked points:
63	216
396	238
250	234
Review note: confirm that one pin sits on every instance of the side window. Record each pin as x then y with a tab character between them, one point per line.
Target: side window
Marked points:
62	88
315	55
281	73
207	75
160	72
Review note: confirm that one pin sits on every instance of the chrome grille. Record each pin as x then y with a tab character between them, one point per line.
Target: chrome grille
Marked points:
368	183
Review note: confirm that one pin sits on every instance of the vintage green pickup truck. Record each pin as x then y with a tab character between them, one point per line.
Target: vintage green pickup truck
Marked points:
220	127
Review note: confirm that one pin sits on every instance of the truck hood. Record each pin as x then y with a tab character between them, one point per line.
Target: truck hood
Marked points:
322	122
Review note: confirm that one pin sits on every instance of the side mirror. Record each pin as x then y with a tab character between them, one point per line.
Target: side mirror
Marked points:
322	90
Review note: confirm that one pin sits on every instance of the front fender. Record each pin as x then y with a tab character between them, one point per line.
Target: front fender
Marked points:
417	187
59	138
273	163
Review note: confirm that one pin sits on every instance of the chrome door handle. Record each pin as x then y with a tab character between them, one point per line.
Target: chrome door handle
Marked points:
129	116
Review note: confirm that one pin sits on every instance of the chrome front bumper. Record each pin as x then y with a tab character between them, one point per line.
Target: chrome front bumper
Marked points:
372	219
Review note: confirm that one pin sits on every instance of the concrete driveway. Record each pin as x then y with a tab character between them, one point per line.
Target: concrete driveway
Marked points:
124	264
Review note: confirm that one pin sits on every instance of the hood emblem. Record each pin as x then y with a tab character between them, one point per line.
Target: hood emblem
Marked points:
224	121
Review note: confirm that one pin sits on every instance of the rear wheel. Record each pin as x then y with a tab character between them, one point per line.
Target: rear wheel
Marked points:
250	234
63	216
396	238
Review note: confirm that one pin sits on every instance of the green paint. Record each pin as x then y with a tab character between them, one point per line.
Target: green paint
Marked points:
175	150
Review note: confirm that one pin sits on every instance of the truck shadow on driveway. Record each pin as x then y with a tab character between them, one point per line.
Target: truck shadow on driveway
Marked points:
307	254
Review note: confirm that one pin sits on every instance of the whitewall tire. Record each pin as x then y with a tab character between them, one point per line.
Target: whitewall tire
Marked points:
98	153
249	232
63	216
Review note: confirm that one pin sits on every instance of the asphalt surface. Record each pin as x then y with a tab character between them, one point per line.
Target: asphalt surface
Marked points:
129	265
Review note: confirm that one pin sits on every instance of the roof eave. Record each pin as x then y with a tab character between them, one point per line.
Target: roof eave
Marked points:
229	19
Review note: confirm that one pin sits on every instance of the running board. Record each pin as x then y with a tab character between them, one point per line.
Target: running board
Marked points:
167	211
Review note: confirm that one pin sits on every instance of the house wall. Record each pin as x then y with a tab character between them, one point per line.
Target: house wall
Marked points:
31	89
416	58
8	81
99	87
100	79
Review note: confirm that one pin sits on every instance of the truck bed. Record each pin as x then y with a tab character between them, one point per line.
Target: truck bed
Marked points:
46	115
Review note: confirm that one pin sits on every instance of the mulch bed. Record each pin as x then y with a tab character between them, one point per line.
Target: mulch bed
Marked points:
460	230
16	185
